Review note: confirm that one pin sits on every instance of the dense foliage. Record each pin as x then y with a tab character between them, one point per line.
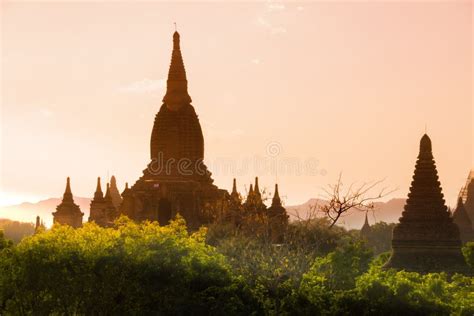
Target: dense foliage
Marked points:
147	269
132	269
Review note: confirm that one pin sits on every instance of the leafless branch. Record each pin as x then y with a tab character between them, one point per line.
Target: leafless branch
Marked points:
358	197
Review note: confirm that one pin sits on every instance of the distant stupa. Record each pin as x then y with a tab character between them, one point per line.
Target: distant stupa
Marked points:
365	230
68	213
469	194
462	220
277	218
426	239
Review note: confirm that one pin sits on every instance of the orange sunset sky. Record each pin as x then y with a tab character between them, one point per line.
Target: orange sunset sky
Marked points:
327	87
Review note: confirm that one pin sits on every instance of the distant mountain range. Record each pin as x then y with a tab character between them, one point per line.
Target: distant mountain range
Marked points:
27	212
388	211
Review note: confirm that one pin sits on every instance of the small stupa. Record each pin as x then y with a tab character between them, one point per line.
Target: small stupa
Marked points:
68	213
365	230
277	218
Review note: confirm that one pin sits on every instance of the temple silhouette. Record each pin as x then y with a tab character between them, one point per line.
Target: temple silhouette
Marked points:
426	239
176	180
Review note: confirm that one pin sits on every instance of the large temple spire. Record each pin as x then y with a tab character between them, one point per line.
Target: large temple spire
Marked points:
177	84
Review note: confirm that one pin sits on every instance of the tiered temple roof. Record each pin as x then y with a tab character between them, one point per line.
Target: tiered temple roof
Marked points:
426	239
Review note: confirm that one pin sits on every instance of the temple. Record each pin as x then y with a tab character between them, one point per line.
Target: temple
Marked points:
68	213
426	239
462	220
176	179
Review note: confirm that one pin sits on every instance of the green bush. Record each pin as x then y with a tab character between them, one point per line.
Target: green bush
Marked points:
273	272
392	292
339	269
147	269
468	251
129	269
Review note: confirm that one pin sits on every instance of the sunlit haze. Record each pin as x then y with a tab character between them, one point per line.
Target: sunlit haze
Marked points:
321	87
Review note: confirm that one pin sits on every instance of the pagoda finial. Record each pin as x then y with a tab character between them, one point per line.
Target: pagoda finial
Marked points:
175	27
68	186
177	84
425	147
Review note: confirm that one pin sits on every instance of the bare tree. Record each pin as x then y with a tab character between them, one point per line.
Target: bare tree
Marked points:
357	197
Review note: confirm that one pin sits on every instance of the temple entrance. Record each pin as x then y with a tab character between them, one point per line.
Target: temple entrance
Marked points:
164	212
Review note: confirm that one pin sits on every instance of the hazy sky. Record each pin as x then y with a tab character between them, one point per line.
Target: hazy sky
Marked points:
324	87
